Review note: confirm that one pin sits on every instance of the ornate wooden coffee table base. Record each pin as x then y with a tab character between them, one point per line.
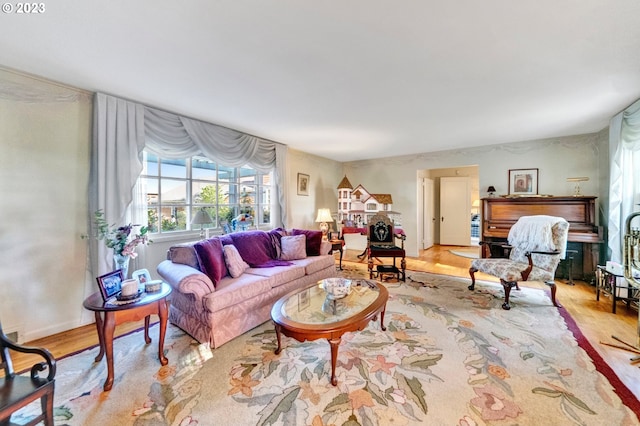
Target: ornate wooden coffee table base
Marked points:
288	316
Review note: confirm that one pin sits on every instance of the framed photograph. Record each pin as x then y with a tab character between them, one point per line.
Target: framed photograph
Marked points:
303	184
142	276
523	182
110	284
304	300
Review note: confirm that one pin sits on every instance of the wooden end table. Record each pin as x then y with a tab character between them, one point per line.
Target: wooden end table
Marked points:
309	315
115	314
337	245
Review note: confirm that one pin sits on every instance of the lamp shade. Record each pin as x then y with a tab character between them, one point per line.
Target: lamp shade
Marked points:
202	217
324	215
491	189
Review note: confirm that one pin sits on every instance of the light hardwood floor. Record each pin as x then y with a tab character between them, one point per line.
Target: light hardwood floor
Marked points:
594	318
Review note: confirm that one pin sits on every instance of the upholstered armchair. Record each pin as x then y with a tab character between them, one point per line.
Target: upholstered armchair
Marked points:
536	244
381	242
17	391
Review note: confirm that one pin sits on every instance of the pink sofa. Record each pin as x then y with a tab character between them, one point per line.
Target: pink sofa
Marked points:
213	306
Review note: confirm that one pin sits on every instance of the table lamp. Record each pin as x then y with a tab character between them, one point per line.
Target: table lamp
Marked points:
201	218
491	190
324	216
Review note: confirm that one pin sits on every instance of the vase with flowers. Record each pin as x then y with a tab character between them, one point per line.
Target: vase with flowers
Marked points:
121	240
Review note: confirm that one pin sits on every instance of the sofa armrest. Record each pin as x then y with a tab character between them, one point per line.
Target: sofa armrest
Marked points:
186	279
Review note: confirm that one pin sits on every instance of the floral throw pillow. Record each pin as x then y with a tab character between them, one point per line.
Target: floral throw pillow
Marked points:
293	247
235	264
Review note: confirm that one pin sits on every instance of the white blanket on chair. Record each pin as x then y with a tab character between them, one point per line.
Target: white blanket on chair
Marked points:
534	233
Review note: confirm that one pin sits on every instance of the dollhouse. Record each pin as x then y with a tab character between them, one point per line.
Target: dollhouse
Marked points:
357	205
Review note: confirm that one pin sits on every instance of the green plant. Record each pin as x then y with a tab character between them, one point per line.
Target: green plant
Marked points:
118	239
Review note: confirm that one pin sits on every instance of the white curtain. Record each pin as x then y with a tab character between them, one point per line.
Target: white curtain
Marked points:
123	129
116	163
624	181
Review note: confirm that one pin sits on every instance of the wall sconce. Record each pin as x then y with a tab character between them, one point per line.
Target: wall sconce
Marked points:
577	180
491	190
324	216
201	218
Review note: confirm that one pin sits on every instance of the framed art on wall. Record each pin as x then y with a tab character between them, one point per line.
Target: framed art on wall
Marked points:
303	184
523	181
110	284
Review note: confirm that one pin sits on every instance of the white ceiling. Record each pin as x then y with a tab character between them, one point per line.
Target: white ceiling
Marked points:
348	79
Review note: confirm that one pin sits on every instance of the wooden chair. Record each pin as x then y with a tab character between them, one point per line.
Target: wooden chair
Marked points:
381	243
17	391
536	246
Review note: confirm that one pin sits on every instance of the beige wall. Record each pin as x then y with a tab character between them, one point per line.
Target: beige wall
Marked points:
44	166
324	177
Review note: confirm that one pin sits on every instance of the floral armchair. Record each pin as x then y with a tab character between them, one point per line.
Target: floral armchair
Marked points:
536	246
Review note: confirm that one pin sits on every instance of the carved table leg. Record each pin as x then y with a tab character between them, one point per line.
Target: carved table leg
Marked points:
163	313
334	358
147	339
109	327
384	308
278	336
100	327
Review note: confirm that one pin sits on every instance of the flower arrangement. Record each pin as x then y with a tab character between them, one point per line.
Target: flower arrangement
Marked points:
118	238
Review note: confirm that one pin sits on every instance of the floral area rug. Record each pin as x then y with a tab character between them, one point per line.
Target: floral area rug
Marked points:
449	356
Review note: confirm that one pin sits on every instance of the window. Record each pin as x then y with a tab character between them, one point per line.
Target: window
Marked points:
176	189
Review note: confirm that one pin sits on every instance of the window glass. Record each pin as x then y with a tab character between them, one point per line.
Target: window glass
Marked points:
175	190
173	168
203	169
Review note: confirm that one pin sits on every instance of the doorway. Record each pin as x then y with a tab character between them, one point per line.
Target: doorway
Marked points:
429	204
455	208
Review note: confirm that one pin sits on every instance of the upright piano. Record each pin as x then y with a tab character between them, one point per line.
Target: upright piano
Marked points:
585	237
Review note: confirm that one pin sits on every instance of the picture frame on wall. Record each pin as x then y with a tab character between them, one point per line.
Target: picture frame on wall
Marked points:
303	184
110	284
523	182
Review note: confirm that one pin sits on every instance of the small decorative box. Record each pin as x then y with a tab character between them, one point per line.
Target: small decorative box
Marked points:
153	286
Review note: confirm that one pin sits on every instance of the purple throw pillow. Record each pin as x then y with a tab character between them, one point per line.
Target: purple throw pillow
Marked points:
314	240
211	257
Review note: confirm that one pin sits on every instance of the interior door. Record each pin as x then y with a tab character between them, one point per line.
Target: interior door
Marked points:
455	211
428	217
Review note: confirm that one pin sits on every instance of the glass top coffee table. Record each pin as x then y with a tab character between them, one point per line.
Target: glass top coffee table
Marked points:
309	314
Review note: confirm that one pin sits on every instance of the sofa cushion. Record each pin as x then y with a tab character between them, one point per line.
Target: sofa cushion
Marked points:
184	254
211	259
314	240
231	291
235	265
279	275
314	264
293	247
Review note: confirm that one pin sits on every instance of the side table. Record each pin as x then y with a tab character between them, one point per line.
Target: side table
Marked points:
337	245
607	282
115	314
